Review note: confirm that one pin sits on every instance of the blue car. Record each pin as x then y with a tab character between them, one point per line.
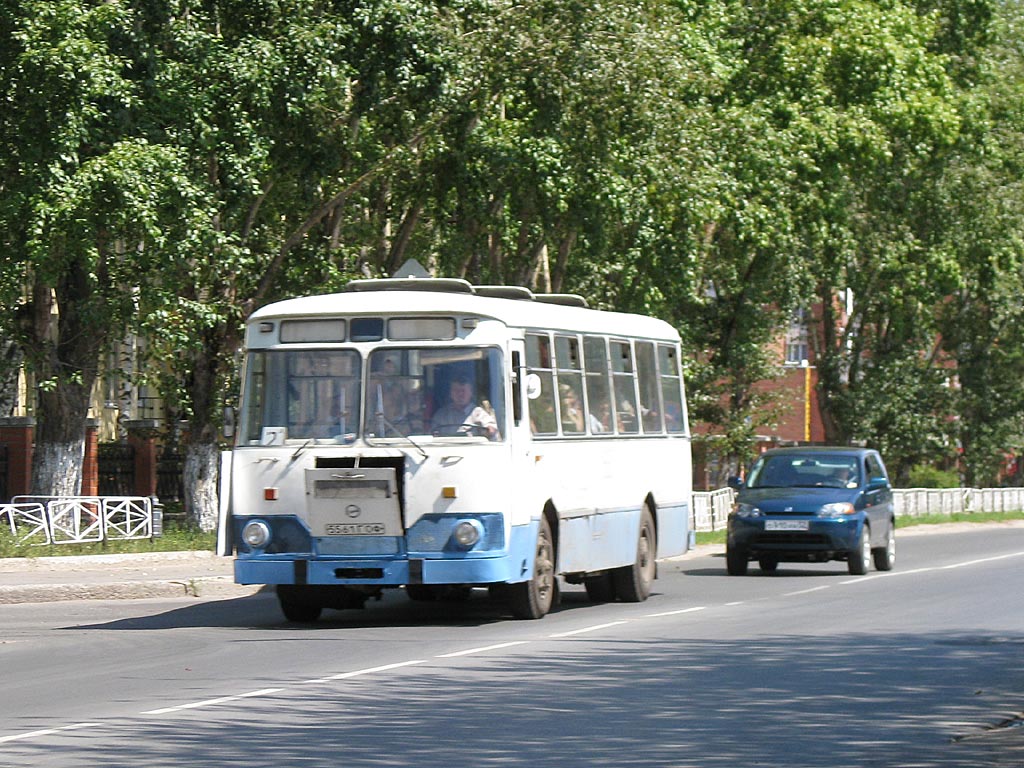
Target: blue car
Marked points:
813	505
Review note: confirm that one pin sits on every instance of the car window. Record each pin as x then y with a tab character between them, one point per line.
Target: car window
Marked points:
794	470
875	468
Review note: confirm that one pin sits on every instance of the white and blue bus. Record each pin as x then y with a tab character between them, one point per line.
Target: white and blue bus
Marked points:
438	436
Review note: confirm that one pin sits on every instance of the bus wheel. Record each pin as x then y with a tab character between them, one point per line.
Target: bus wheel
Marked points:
421	593
633	582
296	606
533	598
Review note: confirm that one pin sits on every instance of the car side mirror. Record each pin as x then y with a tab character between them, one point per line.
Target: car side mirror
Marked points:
734	482
877	483
228	428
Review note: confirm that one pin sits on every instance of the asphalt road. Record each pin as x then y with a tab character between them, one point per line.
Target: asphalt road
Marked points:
918	668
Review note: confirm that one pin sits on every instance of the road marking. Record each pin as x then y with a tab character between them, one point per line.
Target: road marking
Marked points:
47	731
807	591
367	671
482	649
675	613
981	560
588	629
213	702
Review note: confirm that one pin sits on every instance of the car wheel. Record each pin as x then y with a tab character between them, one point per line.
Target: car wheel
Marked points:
297	607
859	560
768	564
736	561
885	557
533	598
633	582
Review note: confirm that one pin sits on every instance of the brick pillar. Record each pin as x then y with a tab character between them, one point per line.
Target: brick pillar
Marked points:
90	462
142	437
19	433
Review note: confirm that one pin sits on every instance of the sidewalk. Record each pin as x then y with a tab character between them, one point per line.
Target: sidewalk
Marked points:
112	577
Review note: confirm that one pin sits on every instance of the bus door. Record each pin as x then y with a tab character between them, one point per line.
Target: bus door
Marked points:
526	501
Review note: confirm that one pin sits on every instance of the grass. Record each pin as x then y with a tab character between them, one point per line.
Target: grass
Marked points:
718	537
177	537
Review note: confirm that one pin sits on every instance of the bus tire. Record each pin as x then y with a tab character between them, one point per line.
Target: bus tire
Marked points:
633	582
533	598
297	607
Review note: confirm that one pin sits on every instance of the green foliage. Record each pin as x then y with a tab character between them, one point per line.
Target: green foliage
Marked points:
929	476
169	167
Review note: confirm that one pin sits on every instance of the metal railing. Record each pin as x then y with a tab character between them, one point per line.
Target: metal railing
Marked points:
80	519
711	508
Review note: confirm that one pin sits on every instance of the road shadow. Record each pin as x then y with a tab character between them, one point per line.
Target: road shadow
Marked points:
661	701
394	608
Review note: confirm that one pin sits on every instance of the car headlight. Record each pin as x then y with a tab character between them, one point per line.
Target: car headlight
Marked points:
836	509
467	533
256	534
746	510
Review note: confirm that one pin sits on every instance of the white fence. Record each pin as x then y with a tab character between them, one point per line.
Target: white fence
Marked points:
79	519
711	508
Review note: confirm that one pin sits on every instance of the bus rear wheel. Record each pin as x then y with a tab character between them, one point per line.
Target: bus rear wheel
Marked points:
533	598
633	582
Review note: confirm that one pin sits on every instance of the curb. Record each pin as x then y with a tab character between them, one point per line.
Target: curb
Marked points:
218	586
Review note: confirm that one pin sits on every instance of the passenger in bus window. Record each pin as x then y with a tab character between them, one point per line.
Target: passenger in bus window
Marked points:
462	415
572	412
572	409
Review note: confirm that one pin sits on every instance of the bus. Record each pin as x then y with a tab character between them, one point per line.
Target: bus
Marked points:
437	436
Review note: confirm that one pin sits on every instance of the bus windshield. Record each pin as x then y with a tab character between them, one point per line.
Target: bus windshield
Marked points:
320	395
437	392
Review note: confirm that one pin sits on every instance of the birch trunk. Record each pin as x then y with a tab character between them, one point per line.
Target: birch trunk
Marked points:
201	477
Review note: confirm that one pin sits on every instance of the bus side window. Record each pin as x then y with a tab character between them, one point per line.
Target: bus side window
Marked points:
599	401
625	388
647	377
671	388
541	408
570	385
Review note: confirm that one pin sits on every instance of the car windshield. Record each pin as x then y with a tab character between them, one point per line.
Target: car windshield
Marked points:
795	470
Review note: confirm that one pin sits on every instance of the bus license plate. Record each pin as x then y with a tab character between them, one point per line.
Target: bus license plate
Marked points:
354	529
786	525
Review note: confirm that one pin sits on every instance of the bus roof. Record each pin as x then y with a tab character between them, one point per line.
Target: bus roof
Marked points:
428	296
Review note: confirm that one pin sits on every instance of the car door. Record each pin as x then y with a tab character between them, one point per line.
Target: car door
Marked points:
878	498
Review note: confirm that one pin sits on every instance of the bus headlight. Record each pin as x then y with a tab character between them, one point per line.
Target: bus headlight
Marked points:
467	533
256	534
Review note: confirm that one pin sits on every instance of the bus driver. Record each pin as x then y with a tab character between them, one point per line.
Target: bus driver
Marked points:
461	413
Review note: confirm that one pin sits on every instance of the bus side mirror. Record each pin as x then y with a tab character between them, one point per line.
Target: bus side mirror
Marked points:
229	422
533	386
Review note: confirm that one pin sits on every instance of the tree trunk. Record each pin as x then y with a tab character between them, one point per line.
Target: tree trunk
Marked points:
60	441
201	479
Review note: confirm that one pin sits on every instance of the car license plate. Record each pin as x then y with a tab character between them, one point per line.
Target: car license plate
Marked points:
354	529
786	525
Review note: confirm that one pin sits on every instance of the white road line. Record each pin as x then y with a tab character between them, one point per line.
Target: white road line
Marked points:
588	629
807	591
675	613
367	671
981	560
47	732
213	702
482	649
